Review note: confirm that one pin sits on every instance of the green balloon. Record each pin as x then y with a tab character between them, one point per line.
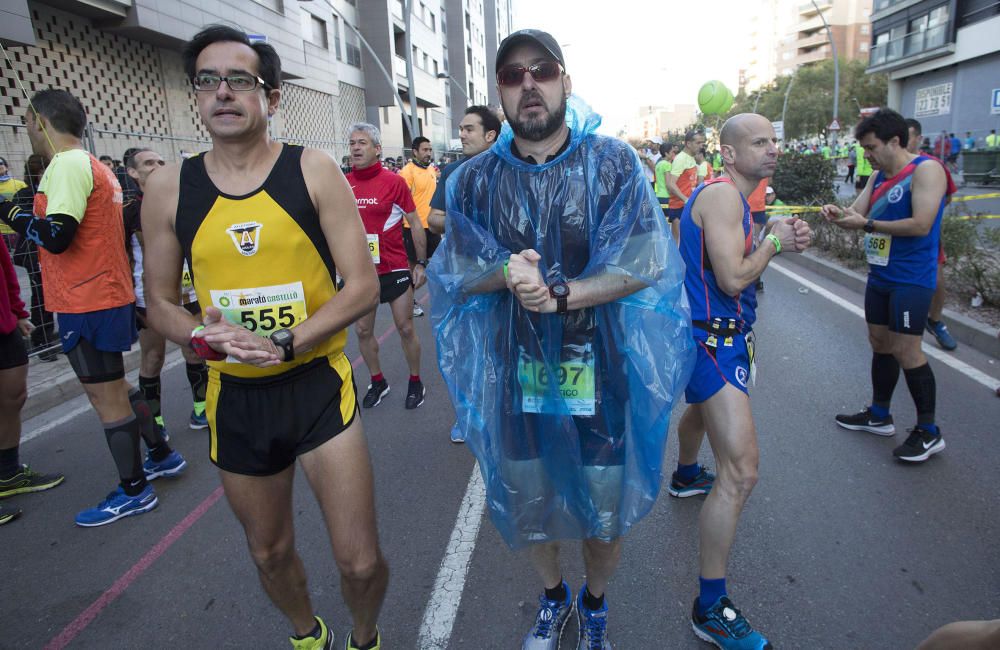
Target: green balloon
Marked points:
714	98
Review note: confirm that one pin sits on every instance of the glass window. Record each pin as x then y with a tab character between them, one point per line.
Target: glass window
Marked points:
915	37
336	37
863	46
319	32
895	46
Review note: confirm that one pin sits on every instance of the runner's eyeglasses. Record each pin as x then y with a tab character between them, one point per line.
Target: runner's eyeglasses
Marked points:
513	75
236	82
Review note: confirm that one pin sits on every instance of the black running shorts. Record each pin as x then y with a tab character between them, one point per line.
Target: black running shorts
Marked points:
12	350
259	426
393	285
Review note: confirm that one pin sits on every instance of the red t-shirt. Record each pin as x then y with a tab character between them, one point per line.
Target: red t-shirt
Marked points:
11	305
383	200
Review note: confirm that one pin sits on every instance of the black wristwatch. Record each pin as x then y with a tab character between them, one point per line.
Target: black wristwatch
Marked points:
283	339
869	226
560	291
422	263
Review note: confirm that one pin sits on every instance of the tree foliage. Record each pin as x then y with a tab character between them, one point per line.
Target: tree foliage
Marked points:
804	180
810	103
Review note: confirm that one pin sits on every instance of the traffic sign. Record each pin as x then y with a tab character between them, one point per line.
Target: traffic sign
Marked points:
834	125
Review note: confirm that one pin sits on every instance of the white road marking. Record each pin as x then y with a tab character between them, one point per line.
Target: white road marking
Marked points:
85	406
972	373
439	617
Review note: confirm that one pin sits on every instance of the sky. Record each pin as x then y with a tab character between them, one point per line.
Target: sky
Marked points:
635	53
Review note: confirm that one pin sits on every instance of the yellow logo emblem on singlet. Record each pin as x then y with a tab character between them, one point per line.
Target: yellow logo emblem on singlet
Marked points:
246	237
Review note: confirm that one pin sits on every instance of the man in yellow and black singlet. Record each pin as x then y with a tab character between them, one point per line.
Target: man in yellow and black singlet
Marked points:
264	229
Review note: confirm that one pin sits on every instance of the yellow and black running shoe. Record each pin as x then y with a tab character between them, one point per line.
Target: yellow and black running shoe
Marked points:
323	642
27	480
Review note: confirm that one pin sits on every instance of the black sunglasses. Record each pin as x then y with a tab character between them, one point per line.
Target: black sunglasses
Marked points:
513	75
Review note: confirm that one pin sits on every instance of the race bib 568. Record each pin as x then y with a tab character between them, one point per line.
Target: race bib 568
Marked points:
877	247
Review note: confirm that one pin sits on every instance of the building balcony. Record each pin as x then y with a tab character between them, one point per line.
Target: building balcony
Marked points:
812	40
812	56
808	9
910	48
810	24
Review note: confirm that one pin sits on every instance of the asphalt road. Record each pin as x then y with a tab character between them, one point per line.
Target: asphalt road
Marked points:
839	547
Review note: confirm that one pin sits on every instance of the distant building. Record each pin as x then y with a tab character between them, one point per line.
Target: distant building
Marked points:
942	59
657	121
807	40
122	59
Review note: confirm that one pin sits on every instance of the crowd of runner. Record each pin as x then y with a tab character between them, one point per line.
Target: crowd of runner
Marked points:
255	257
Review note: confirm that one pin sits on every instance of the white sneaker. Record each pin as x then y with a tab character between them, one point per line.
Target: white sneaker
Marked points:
417	310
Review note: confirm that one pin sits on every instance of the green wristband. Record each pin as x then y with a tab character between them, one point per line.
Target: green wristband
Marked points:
506	271
777	243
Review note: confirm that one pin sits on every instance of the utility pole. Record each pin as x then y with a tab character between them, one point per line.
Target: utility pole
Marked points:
788	91
414	122
836	74
371	50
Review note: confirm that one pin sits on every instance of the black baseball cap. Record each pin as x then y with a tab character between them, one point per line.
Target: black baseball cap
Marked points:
542	39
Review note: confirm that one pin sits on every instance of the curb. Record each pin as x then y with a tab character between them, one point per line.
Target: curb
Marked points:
64	386
966	331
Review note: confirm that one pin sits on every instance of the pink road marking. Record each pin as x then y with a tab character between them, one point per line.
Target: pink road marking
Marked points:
80	623
121	584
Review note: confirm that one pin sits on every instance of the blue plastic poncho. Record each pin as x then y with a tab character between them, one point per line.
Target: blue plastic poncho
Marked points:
567	414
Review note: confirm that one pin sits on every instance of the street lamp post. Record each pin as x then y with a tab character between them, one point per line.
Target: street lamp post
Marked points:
388	77
788	91
414	124
836	72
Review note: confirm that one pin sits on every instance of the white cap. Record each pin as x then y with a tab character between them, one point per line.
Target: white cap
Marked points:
769	190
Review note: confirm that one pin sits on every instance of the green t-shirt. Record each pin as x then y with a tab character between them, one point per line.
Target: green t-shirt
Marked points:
660	174
67	183
863	168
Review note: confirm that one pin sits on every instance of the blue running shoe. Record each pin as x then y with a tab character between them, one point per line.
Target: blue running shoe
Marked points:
198	421
549	623
941	333
701	484
725	627
456	434
117	505
172	465
593	625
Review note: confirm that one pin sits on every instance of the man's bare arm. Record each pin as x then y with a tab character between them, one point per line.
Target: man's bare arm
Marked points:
417	232
435	221
162	258
345	235
719	213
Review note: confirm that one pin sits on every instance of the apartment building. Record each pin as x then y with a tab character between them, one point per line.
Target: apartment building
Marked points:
807	40
122	59
942	58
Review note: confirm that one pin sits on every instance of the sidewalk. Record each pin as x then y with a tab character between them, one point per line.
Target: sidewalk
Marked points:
52	383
